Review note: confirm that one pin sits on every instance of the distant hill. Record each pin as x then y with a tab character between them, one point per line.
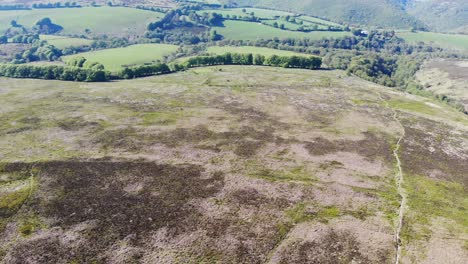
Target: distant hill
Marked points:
385	13
156	3
447	15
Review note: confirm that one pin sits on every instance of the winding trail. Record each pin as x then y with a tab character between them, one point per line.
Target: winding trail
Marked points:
399	178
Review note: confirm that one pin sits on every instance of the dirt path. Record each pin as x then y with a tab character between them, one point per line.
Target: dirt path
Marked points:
399	178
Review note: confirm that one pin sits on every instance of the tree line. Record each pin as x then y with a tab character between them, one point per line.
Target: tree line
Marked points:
82	71
53	72
302	62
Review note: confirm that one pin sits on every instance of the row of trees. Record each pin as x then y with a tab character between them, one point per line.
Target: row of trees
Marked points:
146	70
303	62
56	5
225	59
25	38
13	7
83	70
53	72
375	41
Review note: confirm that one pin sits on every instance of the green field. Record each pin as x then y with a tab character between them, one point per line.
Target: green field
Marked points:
65	42
293	26
318	21
253	50
455	41
99	20
258	12
240	30
116	59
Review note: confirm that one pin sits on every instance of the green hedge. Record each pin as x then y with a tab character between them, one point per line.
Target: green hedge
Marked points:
53	72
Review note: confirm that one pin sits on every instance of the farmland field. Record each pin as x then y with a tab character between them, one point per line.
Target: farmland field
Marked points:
64	42
253	50
99	20
318	21
258	12
456	41
294	26
240	30
115	59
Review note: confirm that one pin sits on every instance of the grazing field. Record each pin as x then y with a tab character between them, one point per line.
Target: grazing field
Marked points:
294	26
62	42
254	50
229	164
98	20
116	59
455	41
258	12
240	30
318	21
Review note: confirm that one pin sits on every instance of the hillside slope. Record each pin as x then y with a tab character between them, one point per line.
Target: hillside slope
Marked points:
231	164
385	13
449	15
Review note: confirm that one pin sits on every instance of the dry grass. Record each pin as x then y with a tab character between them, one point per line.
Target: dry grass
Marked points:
217	164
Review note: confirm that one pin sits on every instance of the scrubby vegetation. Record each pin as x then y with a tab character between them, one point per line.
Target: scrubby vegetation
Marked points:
258	138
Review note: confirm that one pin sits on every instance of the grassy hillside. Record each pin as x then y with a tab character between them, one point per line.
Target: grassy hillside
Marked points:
240	30
440	15
116	59
258	12
64	42
454	41
254	50
133	3
99	20
227	164
366	12
446	77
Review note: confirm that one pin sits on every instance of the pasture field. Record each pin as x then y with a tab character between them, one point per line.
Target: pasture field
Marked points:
455	41
115	59
98	20
258	12
318	21
241	30
293	26
62	42
215	2
254	50
303	158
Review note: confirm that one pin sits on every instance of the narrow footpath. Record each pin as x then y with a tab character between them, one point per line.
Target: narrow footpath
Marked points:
399	178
